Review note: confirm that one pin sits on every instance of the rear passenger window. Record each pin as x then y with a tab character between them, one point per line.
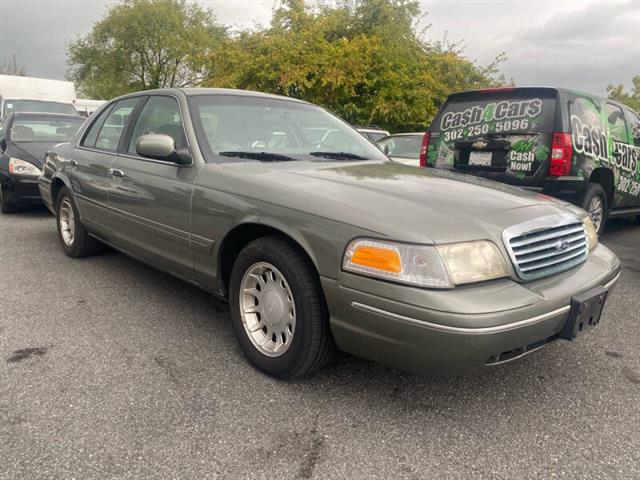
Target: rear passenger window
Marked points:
160	115
634	124
91	135
617	123
115	124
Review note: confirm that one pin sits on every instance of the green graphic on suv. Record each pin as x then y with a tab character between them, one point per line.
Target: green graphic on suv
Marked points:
573	145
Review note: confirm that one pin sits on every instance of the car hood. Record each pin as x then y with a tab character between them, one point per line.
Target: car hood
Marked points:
404	202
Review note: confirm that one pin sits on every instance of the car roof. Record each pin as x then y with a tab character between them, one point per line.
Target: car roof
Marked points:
407	134
369	129
197	91
534	90
45	114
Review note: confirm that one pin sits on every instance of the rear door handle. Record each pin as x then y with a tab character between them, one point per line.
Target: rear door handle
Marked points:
115	172
73	163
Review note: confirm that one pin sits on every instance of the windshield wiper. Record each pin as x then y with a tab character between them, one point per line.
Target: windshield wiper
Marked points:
338	155
262	156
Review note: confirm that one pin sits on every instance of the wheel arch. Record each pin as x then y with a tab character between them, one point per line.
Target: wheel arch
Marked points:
56	185
244	233
604	177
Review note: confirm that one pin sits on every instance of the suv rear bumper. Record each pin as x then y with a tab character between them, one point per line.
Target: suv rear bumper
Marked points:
402	326
569	189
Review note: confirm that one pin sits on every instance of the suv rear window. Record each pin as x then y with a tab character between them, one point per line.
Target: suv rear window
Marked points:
484	113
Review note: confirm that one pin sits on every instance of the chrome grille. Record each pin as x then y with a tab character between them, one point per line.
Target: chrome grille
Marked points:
546	245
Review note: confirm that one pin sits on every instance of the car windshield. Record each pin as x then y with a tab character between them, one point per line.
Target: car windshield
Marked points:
44	129
405	146
38	106
269	129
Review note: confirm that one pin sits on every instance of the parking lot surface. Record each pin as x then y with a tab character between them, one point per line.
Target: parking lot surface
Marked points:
112	370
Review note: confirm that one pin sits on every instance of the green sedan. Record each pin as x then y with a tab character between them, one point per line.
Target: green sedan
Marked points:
318	241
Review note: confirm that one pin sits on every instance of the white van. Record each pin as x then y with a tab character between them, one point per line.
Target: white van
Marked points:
29	94
86	107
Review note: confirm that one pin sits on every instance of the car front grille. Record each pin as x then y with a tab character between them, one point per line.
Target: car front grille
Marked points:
547	245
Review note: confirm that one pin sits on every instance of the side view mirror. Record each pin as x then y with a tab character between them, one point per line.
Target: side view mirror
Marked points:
384	147
161	147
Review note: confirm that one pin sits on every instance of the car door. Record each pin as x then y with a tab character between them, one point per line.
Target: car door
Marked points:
152	197
87	166
620	156
633	121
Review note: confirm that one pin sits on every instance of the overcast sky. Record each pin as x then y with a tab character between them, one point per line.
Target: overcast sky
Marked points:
573	43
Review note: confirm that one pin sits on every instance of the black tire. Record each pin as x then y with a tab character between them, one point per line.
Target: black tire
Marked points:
83	244
5	205
594	190
312	345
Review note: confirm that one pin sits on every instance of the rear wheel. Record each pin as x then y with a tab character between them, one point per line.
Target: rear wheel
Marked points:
278	312
74	239
5	205
594	201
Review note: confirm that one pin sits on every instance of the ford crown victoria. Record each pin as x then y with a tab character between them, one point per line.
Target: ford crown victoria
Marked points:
319	242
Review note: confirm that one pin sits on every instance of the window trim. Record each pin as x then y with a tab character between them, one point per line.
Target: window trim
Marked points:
103	118
123	146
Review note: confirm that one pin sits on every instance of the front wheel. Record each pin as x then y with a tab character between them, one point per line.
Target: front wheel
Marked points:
74	239
277	309
594	201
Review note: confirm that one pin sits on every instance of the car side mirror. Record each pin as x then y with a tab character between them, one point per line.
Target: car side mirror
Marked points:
385	148
161	147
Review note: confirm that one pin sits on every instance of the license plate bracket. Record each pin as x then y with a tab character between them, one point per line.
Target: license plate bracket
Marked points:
480	159
585	312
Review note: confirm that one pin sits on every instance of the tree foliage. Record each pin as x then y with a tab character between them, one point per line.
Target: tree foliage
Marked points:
143	44
364	59
630	99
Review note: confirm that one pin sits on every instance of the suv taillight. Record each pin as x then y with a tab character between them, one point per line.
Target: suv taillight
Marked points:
560	161
423	149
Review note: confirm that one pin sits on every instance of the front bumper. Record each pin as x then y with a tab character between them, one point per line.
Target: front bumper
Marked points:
21	190
460	330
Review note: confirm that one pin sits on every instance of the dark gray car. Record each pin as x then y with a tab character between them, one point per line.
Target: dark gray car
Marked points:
318	241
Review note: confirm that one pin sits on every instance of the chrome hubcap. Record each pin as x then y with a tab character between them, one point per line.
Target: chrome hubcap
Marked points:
267	309
596	211
67	221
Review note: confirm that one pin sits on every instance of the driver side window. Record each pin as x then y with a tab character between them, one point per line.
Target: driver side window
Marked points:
160	115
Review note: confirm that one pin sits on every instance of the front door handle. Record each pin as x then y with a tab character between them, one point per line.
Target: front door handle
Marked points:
73	163
115	172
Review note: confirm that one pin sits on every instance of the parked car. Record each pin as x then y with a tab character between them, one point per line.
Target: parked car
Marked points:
316	248
373	134
402	147
572	145
24	140
29	94
86	107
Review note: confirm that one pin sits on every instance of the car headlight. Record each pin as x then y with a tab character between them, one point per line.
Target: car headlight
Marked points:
592	234
441	266
20	167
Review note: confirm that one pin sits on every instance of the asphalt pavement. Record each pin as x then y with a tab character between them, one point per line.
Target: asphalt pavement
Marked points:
112	370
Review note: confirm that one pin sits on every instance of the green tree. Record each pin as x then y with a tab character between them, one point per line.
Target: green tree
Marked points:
143	44
630	99
364	59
